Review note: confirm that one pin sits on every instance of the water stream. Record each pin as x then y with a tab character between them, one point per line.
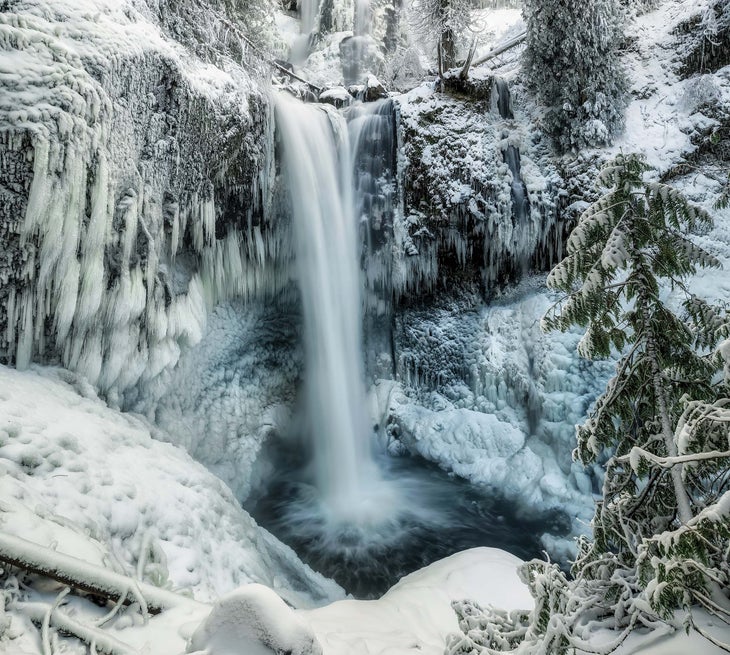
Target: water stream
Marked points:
317	165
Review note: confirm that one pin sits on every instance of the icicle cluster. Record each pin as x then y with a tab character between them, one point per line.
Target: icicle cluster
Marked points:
137	178
475	204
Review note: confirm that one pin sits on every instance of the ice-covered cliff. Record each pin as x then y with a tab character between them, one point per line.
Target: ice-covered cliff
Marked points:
135	169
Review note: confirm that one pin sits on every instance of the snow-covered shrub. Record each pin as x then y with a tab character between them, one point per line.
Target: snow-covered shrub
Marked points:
699	92
571	64
402	71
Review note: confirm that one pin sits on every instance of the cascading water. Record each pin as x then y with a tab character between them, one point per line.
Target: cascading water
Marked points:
316	161
373	135
308	10
360	517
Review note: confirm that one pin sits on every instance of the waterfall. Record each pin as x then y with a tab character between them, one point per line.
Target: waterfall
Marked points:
308	11
317	167
363	521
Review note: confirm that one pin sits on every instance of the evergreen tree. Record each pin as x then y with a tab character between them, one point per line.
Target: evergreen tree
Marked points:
662	528
627	248
571	64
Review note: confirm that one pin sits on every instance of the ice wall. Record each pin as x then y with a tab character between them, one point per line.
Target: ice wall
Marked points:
135	166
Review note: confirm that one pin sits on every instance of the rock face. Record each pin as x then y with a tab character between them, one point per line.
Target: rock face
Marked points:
135	158
463	222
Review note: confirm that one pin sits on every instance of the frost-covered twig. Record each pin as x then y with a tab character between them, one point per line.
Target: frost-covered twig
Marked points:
46	623
37	612
667	462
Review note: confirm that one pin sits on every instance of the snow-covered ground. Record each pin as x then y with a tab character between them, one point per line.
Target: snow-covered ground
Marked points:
101	483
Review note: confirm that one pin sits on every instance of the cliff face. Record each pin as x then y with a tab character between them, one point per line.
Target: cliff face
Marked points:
136	153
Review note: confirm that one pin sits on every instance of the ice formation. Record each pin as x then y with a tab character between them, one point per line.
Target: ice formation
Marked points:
121	228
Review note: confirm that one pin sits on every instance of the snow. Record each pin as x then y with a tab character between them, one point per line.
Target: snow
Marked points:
56	441
486	394
254	620
415	615
662	117
99	485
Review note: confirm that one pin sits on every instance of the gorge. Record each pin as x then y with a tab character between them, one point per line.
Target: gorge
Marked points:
271	285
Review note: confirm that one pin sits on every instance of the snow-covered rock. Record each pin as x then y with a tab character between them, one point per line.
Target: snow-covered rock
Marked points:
255	621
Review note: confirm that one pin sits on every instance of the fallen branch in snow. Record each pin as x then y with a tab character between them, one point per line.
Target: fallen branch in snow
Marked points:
500	49
39	613
81	575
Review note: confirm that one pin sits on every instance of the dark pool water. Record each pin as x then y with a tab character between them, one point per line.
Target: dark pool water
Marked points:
435	515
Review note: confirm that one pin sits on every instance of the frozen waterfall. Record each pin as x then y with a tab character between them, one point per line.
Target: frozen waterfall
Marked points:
316	164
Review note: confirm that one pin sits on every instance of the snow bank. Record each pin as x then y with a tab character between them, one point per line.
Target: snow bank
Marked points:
95	483
416	615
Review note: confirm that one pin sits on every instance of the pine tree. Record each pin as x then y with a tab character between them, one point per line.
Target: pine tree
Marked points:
571	63
662	529
656	417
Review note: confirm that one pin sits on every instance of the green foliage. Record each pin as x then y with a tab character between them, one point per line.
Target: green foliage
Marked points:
723	201
624	244
627	249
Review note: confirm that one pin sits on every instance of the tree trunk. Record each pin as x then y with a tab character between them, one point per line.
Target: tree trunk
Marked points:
448	48
680	492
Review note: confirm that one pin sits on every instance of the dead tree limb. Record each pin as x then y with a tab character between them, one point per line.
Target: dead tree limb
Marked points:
503	47
92	579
